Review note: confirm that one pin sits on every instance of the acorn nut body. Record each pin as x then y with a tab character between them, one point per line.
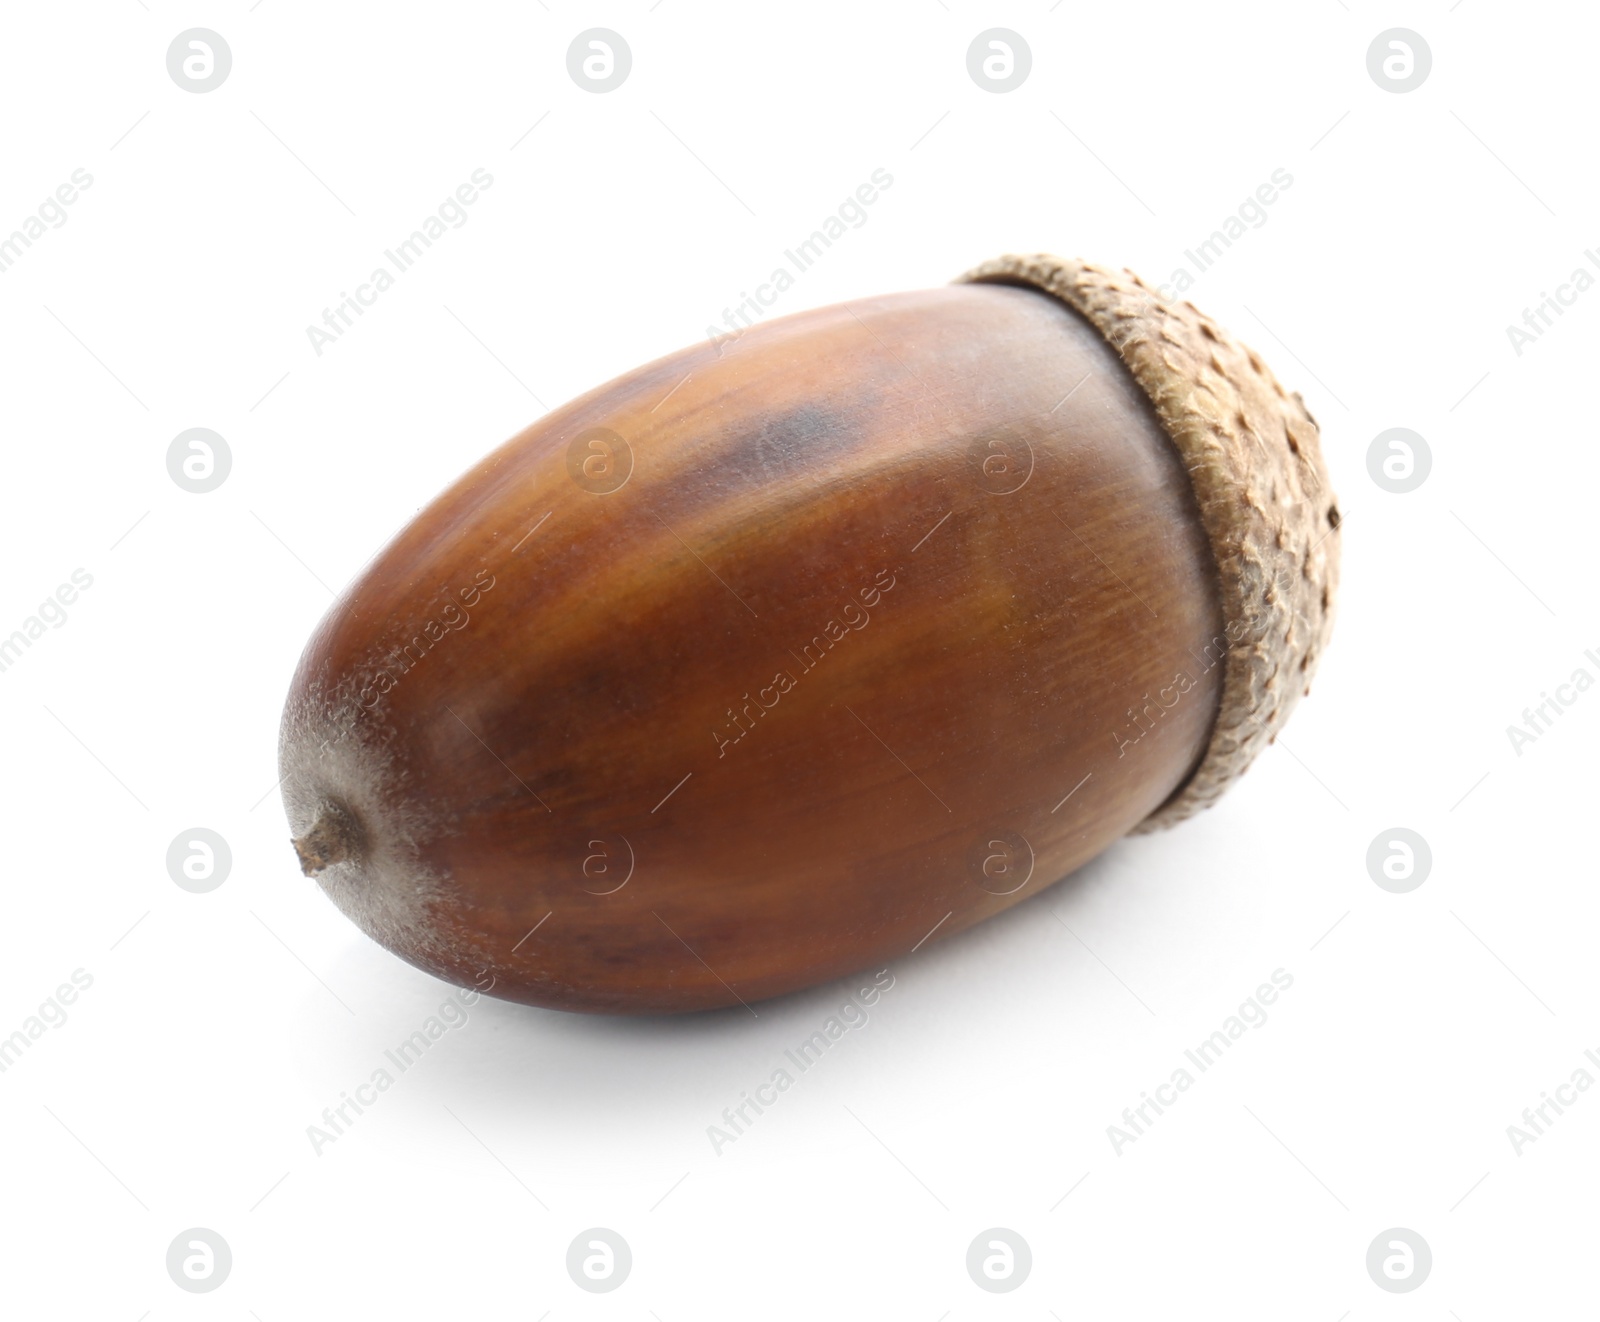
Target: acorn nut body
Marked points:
776	659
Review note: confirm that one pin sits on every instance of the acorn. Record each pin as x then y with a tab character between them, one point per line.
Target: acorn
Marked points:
794	652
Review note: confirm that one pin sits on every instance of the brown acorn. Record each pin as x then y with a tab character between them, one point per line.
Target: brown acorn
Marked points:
780	657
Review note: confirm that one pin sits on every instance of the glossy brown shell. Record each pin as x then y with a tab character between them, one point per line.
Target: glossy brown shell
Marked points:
754	667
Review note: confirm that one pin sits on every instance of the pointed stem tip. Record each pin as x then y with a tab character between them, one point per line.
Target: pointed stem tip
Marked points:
334	838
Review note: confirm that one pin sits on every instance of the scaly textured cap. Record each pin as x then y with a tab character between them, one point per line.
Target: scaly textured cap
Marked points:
1254	455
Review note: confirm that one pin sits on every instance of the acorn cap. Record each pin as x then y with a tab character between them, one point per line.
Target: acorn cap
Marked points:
1253	453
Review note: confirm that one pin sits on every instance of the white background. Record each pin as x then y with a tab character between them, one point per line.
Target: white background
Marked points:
1378	1094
